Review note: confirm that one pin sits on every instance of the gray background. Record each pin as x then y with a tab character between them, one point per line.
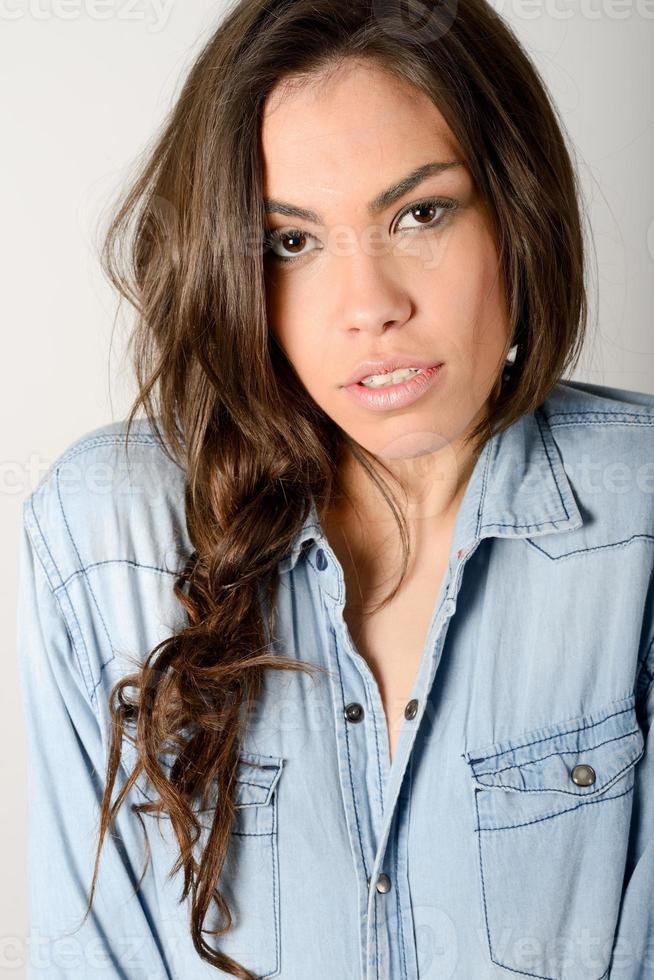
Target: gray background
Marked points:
84	85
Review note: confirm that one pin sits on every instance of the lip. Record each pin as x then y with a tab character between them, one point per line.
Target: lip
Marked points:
396	396
366	368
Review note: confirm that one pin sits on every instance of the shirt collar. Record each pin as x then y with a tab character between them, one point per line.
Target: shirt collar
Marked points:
518	489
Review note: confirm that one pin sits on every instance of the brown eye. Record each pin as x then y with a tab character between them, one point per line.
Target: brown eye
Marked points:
428	214
293	241
429	208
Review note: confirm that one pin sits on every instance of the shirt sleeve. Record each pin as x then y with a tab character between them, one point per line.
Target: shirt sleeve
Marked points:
65	780
633	950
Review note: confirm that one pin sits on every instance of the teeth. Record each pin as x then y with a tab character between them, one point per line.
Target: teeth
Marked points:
383	380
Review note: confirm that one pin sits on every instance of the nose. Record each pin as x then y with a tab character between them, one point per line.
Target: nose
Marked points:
370	294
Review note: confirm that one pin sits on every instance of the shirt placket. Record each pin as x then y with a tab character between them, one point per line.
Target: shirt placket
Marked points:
374	806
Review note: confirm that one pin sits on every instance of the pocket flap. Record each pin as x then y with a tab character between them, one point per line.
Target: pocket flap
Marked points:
610	741
256	778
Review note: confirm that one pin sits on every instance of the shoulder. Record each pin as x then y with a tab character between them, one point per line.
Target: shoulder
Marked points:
574	403
108	497
107	524
605	437
612	427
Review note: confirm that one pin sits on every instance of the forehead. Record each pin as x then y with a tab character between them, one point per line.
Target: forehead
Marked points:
324	132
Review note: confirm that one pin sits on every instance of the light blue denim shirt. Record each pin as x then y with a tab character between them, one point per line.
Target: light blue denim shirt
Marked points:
513	833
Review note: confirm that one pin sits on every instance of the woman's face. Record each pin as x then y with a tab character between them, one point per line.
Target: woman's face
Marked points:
367	285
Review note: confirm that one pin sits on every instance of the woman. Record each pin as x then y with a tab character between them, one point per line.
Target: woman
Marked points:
344	668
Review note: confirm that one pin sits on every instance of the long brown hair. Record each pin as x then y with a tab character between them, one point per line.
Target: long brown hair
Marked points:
185	248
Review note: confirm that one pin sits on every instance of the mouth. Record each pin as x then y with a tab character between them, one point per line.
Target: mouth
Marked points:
402	389
374	372
393	378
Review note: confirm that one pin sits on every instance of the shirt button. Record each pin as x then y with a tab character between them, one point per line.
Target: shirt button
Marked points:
321	559
583	775
411	709
353	711
383	884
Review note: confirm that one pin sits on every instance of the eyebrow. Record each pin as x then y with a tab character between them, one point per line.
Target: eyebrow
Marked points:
379	203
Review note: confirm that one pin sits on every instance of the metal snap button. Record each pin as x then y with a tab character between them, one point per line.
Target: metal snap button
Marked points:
353	711
383	884
583	775
321	559
411	709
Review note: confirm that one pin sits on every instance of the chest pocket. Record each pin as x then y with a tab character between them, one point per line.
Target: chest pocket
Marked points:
552	818
249	880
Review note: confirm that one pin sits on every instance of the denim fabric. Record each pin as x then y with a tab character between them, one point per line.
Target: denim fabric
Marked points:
513	833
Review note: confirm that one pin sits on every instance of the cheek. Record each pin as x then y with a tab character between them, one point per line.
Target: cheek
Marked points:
279	314
286	312
302	351
293	319
469	298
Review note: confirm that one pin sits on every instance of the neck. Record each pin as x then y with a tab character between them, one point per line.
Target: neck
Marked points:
430	488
